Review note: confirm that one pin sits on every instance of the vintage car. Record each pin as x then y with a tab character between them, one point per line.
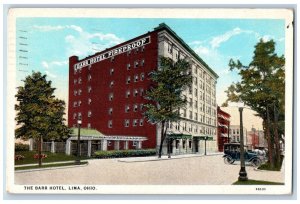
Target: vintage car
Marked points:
232	154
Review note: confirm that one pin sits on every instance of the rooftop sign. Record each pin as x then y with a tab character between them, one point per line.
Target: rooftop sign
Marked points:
119	50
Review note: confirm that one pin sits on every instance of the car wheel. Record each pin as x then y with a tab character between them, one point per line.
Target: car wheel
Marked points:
228	160
256	162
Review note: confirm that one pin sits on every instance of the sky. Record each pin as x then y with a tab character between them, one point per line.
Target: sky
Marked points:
45	44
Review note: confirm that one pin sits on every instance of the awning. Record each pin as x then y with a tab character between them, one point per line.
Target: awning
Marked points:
179	136
202	137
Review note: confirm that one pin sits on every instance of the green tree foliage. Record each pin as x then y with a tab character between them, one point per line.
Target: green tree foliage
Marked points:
262	87
165	96
39	113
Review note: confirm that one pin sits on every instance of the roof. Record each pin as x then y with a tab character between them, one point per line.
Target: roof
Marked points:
87	132
163	26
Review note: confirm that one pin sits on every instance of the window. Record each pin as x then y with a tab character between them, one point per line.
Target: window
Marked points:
141	91
136	50
196	104
79	80
79	103
142	62
190	115
89	77
126	123
110	124
128	80
127	108
79	92
136	64
184	113
191	102
111	96
89	114
196	92
141	107
196	116
136	78
135	107
129	52
89	125
111	72
111	84
79	115
128	66
112	59
74	116
135	121
89	89
110	111
143	48
141	122
75	81
89	101
135	92
170	48
190	90
134	143
142	76
127	93
75	92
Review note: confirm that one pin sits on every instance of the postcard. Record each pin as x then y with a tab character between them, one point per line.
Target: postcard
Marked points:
149	101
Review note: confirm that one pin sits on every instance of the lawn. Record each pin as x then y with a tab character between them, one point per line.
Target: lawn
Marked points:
51	157
48	166
256	182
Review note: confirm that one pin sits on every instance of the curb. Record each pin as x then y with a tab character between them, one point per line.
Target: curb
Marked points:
161	159
51	168
35	164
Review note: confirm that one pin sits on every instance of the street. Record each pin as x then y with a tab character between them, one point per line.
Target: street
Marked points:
180	170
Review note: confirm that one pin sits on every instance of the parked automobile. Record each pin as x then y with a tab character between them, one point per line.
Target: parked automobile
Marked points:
232	154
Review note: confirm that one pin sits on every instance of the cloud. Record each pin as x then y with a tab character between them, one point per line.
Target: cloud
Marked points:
45	64
216	41
47	28
50	74
88	43
48	65
82	43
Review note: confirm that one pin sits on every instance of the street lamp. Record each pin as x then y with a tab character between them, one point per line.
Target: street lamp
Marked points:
205	138
78	142
243	173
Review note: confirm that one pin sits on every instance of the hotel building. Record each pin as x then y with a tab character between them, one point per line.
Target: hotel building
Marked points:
107	89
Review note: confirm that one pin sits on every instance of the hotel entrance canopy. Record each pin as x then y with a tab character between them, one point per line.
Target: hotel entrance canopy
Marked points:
179	136
202	137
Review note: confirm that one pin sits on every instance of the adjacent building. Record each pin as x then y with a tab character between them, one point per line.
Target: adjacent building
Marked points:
235	133
107	89
223	128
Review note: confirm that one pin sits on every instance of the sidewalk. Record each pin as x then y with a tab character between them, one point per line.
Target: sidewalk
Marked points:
165	157
47	163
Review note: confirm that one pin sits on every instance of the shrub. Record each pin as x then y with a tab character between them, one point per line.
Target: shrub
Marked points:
19	157
125	153
21	147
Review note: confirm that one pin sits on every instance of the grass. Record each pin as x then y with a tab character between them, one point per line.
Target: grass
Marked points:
48	165
267	166
256	182
51	157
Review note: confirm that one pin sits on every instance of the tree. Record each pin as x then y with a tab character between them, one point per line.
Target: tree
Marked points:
165	95
39	113
262	87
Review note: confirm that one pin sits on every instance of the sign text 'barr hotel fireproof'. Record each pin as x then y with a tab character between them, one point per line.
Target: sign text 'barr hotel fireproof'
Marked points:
114	52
